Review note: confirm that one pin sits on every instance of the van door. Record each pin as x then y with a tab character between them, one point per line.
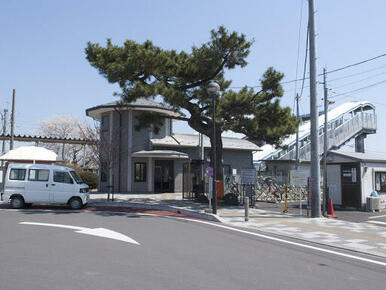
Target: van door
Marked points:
37	186
62	187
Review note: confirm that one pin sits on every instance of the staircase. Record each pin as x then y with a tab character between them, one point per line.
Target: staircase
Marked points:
347	121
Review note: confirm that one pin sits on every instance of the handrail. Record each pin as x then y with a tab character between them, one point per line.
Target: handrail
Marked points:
337	136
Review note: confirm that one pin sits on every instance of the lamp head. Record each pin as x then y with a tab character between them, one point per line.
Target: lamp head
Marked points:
213	88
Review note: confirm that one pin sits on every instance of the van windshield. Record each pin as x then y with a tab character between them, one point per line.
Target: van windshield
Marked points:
76	177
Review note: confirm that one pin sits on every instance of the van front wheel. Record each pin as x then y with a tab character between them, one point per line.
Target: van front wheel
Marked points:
75	203
17	202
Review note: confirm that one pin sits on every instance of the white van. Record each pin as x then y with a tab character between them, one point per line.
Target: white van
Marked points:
25	184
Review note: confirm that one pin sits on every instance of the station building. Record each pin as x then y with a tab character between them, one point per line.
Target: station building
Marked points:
145	160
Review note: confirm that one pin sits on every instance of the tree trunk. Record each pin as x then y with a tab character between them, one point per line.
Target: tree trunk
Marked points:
207	130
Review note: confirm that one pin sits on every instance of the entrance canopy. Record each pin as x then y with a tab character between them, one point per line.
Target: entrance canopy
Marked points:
169	154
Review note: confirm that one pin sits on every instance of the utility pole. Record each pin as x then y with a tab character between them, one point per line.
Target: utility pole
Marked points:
12	121
4	129
297	152
315	165
297	132
325	149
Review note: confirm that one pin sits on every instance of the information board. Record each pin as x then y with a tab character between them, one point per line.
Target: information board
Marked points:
299	177
248	176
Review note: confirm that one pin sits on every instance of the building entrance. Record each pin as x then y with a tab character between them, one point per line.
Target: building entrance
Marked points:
163	176
351	185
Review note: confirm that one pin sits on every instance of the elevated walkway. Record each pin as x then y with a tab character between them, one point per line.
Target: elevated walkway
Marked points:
345	122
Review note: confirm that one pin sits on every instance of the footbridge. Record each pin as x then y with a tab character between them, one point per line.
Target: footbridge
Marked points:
351	120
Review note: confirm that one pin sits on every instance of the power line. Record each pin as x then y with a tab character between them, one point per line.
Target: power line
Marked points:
361	80
355	64
356	74
360	89
328	72
298	53
352	75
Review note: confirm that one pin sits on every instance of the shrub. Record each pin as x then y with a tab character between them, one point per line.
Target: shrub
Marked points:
91	179
231	199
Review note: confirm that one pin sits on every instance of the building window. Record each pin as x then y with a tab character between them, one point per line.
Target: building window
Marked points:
17	174
38	174
140	172
380	181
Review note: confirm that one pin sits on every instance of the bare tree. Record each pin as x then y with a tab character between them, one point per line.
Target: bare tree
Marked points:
69	127
104	152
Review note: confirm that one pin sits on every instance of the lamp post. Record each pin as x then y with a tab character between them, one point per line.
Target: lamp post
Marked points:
213	89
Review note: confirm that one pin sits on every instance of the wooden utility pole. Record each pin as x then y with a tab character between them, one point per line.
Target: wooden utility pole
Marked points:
4	129
12	120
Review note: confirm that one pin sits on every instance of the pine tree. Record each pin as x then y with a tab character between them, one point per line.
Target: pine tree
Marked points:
146	70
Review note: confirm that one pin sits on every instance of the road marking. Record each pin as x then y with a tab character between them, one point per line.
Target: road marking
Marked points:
294	243
99	232
377	216
377	223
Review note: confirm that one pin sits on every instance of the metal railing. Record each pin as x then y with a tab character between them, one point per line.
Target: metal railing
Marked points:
337	136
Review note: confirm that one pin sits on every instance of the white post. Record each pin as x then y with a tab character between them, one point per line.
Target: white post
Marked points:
246	207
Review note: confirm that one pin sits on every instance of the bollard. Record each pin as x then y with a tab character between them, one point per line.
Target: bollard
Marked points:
246	206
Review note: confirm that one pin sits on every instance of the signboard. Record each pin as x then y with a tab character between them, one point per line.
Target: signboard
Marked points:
299	177
248	176
209	171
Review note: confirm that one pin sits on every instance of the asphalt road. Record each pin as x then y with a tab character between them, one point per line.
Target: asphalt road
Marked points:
173	254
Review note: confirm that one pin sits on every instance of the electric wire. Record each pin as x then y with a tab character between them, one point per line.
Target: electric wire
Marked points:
360	89
361	80
298	52
321	74
356	74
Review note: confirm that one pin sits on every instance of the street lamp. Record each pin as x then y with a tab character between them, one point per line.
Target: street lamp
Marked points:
213	89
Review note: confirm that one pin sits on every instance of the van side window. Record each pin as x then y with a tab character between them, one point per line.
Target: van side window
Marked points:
38	174
17	174
62	177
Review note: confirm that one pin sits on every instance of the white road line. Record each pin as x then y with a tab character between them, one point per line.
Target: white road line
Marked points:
377	223
294	243
277	240
99	232
377	216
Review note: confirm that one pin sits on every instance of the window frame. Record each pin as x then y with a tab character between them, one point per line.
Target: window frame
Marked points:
18	169
37	175
380	173
63	172
142	177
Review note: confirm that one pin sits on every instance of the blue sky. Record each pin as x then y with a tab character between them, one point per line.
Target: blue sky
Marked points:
42	48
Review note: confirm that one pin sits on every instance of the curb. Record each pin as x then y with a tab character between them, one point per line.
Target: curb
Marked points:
187	212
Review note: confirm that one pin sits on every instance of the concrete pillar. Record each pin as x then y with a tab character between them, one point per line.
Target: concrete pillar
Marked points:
150	175
129	151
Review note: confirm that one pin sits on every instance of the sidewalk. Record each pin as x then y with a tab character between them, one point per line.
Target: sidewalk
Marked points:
361	237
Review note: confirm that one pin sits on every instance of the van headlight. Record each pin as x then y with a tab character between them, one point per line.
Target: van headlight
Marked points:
83	190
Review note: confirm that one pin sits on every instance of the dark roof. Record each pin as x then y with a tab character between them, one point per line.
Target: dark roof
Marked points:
369	157
191	140
139	104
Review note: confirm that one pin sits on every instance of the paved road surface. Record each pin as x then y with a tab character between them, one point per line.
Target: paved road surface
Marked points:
173	254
